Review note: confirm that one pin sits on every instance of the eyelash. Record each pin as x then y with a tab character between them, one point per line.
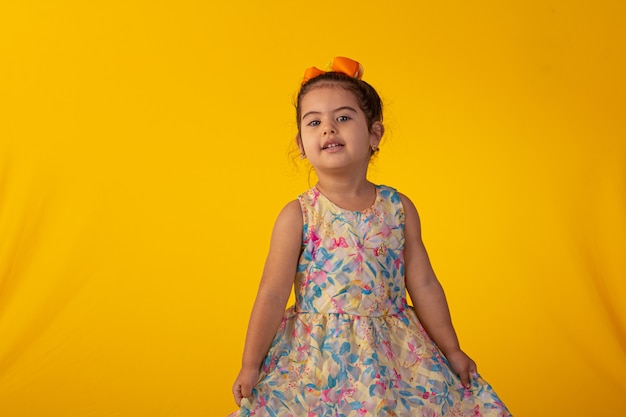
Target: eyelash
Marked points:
340	119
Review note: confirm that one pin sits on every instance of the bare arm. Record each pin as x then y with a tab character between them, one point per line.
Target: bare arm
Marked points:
272	296
428	296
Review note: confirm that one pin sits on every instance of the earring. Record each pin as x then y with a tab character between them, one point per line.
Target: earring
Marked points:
374	148
302	156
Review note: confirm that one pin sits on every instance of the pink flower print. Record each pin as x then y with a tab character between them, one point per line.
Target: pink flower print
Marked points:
477	412
302	354
315	238
385	230
467	393
397	376
427	412
318	277
358	260
316	194
339	243
328	264
387	349
344	393
330	395
339	305
327	395
381	388
413	352
397	263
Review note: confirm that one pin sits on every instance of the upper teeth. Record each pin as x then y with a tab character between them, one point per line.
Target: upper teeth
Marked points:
332	145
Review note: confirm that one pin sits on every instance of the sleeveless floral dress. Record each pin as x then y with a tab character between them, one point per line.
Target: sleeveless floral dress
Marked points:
351	346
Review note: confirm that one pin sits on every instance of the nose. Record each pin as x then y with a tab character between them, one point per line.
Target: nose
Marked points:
329	128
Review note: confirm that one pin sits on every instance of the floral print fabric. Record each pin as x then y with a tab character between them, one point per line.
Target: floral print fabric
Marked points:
351	346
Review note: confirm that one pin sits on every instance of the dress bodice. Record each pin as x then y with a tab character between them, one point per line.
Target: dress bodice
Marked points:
352	261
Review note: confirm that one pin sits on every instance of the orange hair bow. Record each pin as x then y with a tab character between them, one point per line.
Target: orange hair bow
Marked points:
340	64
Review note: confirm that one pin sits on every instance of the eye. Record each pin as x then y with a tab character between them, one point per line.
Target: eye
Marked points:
343	118
313	123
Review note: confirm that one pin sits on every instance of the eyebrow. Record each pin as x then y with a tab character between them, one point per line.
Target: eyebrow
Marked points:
352	109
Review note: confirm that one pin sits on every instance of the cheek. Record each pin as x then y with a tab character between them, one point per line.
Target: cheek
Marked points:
304	145
306	140
308	147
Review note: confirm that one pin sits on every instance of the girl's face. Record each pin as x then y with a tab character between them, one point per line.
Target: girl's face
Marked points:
334	134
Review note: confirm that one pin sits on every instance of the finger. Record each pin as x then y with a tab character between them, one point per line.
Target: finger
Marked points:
465	379
473	370
464	375
246	390
237	395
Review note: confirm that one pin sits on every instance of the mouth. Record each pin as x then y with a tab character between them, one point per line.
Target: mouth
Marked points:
332	145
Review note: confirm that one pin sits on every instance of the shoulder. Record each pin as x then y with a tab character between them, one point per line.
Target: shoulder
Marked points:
287	233
396	196
388	192
407	203
411	215
290	215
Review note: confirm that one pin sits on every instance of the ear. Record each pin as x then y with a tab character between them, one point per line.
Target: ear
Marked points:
376	134
299	143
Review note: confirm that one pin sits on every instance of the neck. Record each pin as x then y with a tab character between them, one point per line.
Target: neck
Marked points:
347	182
348	193
346	187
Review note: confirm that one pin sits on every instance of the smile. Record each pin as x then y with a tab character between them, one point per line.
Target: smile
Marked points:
332	146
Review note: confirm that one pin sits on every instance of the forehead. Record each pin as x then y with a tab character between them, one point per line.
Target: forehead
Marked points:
328	97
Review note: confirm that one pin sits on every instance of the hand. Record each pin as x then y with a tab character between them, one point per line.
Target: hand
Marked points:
246	380
463	365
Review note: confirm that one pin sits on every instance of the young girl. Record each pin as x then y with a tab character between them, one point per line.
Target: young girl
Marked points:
351	345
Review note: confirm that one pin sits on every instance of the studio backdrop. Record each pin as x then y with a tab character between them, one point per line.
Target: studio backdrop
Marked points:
146	148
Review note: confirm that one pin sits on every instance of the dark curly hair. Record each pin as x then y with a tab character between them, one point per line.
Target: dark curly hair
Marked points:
368	99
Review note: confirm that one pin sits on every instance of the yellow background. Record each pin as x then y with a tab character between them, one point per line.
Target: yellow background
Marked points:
145	150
